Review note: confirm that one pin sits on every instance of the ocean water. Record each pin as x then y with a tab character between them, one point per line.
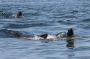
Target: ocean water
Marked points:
45	16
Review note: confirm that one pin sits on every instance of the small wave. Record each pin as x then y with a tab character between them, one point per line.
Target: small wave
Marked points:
69	22
82	48
74	11
86	20
84	26
26	25
8	33
68	16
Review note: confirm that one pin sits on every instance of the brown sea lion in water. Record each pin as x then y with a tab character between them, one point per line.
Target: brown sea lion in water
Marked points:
70	39
19	14
69	34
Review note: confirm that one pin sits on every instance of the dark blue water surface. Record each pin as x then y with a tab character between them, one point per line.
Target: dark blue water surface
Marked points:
45	16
